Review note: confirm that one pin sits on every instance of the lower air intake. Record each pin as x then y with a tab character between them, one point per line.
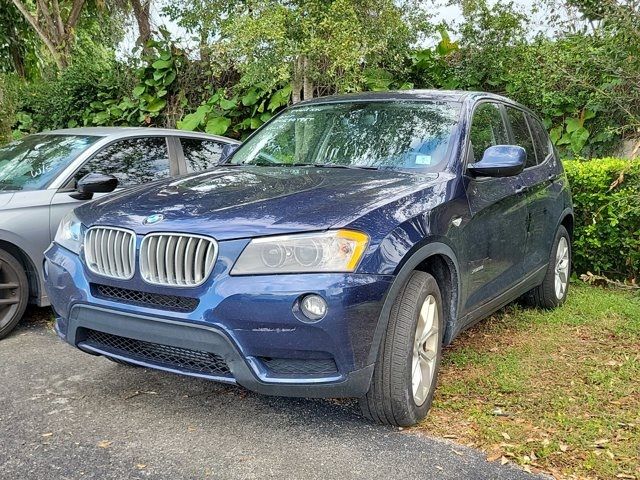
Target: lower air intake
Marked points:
194	361
302	367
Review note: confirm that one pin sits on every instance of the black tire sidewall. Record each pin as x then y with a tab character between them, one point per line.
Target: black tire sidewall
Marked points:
549	285
430	287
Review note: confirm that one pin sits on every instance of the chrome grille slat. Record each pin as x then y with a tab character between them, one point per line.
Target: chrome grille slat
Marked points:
109	251
176	259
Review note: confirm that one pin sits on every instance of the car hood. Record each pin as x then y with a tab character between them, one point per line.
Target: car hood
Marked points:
240	202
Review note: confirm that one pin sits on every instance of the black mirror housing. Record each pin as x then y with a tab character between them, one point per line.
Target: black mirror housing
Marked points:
94	183
499	161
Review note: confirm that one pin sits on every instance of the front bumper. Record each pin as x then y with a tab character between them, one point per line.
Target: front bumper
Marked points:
247	321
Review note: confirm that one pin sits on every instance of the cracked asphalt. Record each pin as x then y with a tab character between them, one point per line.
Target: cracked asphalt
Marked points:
67	415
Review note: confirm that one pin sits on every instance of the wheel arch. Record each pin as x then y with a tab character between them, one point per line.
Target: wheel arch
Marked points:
439	260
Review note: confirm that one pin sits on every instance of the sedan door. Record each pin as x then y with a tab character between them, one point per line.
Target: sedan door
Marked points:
493	240
133	161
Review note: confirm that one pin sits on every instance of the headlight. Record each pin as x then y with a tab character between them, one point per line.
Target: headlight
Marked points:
70	234
334	251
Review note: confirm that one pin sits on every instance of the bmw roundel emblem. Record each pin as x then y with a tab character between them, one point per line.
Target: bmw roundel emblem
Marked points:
155	218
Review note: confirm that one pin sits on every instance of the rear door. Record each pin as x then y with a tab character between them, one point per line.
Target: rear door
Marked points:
133	161
541	187
494	238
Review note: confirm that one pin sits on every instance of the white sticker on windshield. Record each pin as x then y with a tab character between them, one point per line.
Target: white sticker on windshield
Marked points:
423	159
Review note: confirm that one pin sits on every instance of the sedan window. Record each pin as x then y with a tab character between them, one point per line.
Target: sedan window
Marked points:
200	154
487	130
31	164
132	161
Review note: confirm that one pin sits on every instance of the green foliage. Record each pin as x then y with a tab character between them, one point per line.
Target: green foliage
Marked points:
61	102
237	115
606	195
156	88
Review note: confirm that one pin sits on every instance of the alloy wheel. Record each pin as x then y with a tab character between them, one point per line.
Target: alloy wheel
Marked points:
425	350
9	293
562	268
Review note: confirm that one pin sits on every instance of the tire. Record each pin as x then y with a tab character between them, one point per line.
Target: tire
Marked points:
122	362
548	294
14	292
392	399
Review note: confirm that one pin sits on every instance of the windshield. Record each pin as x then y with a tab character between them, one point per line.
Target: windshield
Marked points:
397	135
32	163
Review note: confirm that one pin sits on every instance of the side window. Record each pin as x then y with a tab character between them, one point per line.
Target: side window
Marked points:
132	161
540	139
522	134
200	154
487	129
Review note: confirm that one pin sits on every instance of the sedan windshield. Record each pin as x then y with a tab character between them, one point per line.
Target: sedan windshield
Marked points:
372	135
32	163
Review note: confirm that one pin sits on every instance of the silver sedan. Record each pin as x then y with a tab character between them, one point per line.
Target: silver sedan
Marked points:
44	176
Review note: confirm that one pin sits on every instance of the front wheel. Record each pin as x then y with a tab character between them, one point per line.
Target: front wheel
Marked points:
552	292
406	370
14	292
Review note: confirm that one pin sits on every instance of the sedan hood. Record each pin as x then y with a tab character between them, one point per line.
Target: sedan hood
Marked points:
240	202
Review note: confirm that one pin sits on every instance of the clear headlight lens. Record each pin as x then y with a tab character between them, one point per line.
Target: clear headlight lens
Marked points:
70	234
333	251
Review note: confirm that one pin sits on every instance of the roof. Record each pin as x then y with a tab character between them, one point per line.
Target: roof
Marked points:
415	95
124	132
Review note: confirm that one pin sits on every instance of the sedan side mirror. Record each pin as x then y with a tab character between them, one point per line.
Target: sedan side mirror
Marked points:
499	161
227	151
94	183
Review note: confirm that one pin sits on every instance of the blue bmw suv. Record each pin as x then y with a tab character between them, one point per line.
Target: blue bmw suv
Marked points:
333	254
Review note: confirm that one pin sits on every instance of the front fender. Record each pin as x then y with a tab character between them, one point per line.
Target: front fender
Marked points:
408	266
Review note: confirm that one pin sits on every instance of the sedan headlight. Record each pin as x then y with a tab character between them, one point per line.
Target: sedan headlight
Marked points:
70	234
333	251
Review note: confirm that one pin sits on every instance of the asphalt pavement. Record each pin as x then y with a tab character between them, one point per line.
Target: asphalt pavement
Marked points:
67	415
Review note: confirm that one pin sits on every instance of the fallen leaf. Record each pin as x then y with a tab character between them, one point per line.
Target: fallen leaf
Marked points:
141	466
104	443
504	460
563	447
506	436
494	457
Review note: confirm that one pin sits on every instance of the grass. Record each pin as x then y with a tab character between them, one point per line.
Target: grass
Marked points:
555	391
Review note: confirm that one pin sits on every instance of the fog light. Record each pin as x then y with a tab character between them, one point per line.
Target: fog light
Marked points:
314	307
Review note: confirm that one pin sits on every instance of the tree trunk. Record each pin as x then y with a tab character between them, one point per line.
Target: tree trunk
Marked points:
307	85
141	12
296	84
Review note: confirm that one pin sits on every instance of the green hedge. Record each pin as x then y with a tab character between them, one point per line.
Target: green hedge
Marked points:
606	198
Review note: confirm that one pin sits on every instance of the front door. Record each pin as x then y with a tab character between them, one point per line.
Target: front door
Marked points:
494	237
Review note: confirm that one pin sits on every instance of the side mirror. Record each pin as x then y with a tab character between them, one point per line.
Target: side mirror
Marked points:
94	183
227	151
499	161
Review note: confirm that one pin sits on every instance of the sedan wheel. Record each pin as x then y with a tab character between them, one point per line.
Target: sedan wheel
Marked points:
14	292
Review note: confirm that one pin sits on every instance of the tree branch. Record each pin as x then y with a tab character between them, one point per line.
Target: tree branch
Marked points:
58	17
41	33
74	16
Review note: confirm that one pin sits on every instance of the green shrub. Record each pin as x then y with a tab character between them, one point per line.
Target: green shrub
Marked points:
606	198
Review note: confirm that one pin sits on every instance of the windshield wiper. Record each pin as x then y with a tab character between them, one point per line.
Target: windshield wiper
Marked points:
337	165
